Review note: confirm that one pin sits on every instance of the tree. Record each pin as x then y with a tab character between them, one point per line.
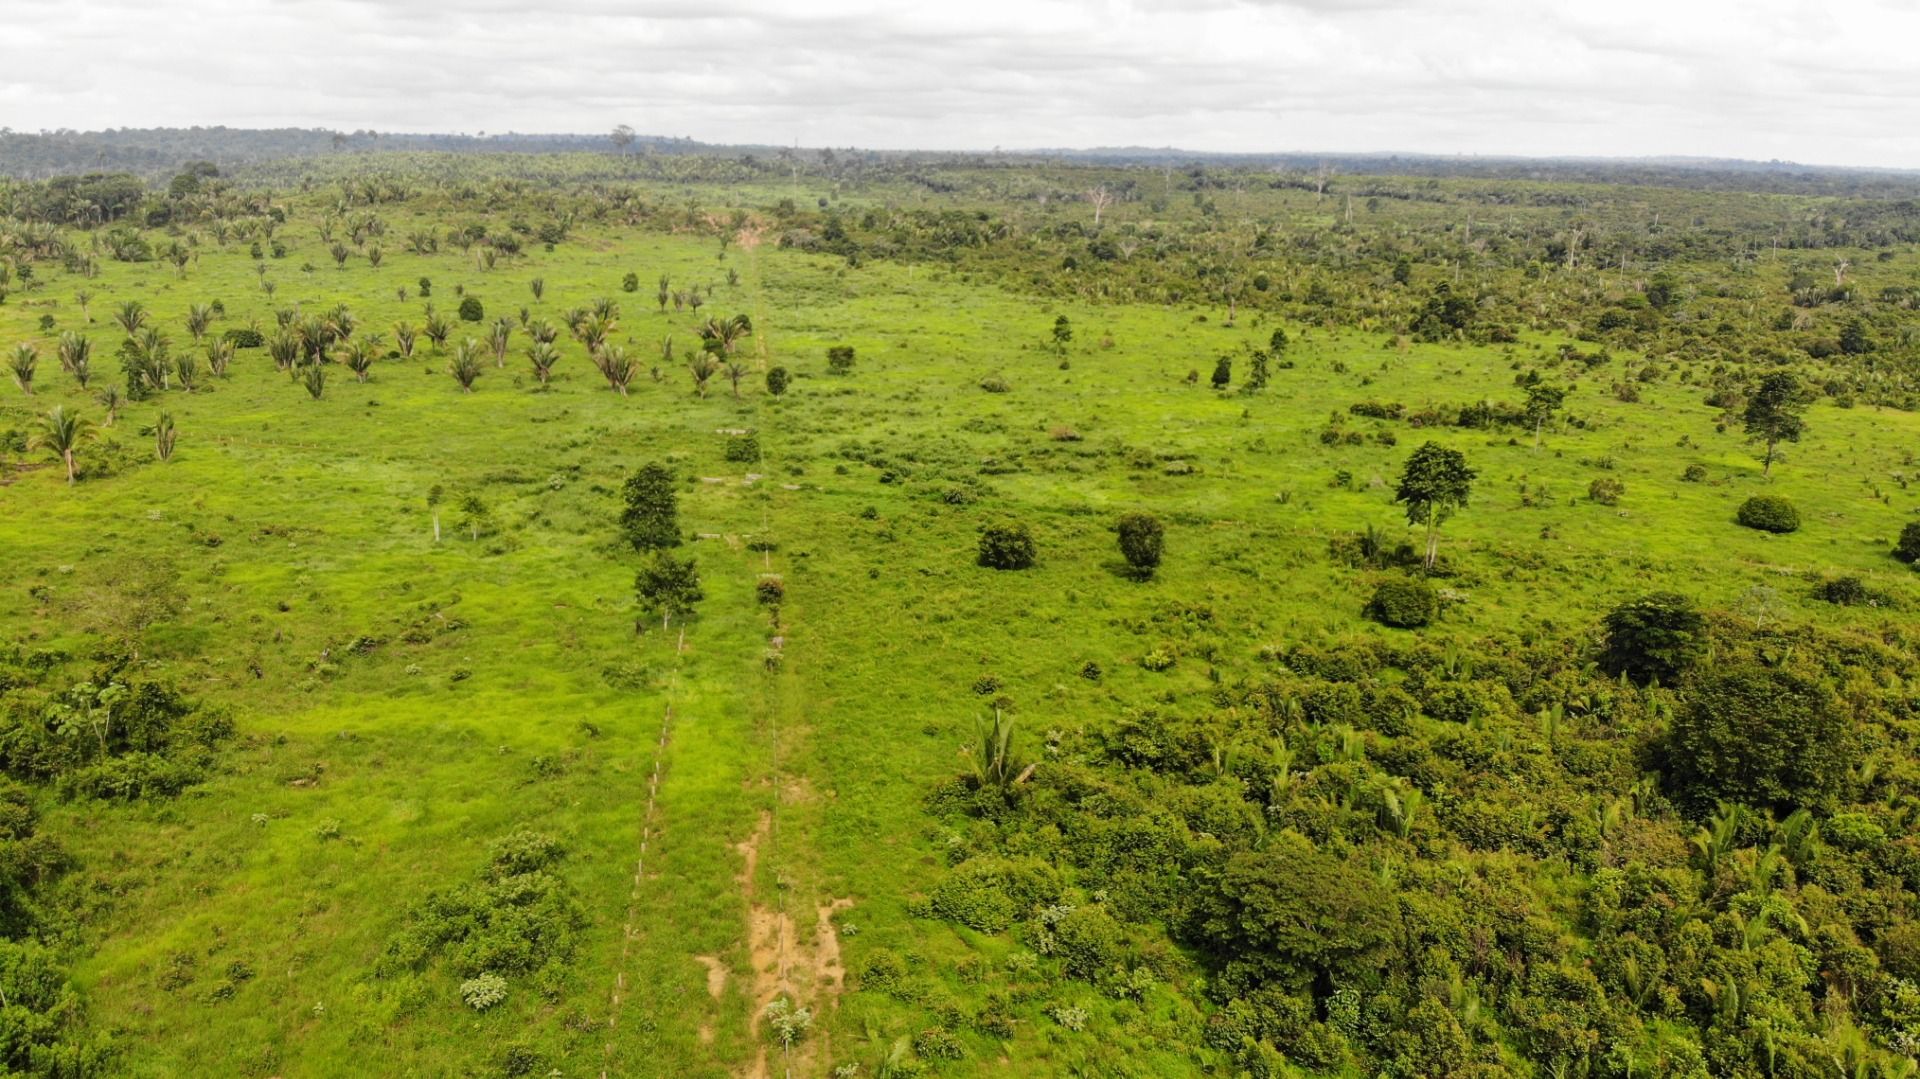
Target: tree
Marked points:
1907	549
651	517
1775	413
1222	372
840	359
465	365
668	586
475	515
702	367
777	381
542	355
25	357
1290	915
1006	546
1142	539
1760	736
622	137
1435	482
61	434
1542	402
1655	638
615	366
1062	334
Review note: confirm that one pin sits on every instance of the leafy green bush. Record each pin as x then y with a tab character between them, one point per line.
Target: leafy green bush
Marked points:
1769	513
996	384
840	359
1907	549
1761	736
650	517
1142	540
1606	490
744	449
990	894
244	337
1290	914
1654	638
1403	602
471	309
1006	546
1848	591
776	380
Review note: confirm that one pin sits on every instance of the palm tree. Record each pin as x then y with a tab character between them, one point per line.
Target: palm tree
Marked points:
60	435
723	335
437	328
131	316
163	436
358	357
199	317
25	357
314	377
702	367
189	370
465	366
615	366
539	286
543	331
112	400
403	337
284	347
83	297
593	332
735	372
219	356
501	334
74	351
542	356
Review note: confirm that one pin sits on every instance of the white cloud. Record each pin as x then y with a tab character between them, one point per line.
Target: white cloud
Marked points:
1746	78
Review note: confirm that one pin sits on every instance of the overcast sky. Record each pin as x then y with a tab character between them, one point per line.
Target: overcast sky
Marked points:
1813	82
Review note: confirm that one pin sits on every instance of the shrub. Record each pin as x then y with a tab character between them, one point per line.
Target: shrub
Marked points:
990	894
1142	539
1761	736
995	384
1403	602
1695	474
744	448
244	337
1845	591
471	309
1769	513
1908	548
483	991
1656	637
1088	941
777	381
1606	490
840	359
1006	546
770	592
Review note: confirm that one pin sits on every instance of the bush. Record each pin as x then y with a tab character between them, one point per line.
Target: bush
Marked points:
777	381
1845	591
990	894
840	359
483	991
1006	546
1695	474
471	310
1761	736
245	337
744	448
1908	548
1606	490
1769	513
995	384
1656	637
1404	603
651	516
1142	539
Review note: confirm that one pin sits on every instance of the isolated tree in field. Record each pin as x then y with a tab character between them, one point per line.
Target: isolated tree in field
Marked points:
1062	333
76	357
1006	546
735	372
622	137
650	516
1222	372
131	317
25	358
465	365
1142	538
475	515
721	336
1776	412
702	366
616	367
542	355
777	381
61	434
499	338
1435	482
840	359
668	586
1542	402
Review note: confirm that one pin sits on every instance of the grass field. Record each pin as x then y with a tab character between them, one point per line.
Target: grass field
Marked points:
743	802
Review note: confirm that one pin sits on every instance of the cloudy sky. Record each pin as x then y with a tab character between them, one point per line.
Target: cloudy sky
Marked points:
1807	81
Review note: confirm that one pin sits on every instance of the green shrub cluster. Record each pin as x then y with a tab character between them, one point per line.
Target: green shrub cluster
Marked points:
1769	513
